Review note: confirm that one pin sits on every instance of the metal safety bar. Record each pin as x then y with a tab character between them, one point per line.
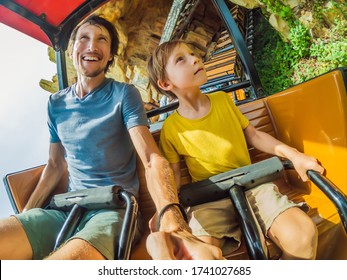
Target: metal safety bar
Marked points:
254	238
234	183
129	223
335	195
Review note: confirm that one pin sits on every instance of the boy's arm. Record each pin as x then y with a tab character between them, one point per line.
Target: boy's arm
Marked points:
51	175
268	144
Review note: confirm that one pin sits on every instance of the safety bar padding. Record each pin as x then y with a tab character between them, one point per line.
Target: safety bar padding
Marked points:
94	198
217	187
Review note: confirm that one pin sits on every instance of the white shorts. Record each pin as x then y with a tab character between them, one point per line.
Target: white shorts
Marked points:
218	218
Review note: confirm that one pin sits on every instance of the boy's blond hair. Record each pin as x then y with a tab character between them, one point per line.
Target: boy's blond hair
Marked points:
157	63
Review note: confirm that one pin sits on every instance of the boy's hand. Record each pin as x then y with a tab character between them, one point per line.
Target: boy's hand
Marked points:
302	163
180	245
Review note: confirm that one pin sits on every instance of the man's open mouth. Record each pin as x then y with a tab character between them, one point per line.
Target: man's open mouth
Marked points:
90	58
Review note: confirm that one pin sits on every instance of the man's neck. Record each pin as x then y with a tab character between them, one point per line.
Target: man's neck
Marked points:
85	85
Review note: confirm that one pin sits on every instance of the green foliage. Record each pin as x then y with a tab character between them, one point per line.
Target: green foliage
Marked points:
281	65
333	50
277	7
273	58
300	41
325	54
317	9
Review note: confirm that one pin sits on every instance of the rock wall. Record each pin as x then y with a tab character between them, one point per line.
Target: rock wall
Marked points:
317	16
140	24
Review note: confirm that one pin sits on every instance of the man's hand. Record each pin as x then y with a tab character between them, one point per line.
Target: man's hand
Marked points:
180	245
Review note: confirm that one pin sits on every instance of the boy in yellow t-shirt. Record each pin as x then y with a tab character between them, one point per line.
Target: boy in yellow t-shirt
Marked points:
211	134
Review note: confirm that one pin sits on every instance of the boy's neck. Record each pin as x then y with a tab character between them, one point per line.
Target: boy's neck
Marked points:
193	106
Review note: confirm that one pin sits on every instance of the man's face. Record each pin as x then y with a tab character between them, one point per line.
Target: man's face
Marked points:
91	50
185	69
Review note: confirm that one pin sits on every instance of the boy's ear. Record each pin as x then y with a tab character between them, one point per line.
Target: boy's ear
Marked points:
164	85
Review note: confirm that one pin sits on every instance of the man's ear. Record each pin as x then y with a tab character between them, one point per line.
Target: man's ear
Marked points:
164	85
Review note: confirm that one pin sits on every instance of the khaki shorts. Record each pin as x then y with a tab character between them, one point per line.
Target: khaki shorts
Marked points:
218	218
100	228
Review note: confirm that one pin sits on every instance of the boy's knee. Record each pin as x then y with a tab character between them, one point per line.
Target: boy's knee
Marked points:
309	241
303	243
296	235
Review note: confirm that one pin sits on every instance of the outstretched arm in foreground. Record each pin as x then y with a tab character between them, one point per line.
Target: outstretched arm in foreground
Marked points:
162	188
180	246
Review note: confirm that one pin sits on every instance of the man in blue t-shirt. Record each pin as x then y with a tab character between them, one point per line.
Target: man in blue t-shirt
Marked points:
96	127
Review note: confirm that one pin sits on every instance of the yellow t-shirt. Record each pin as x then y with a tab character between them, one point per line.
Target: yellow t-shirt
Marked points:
210	145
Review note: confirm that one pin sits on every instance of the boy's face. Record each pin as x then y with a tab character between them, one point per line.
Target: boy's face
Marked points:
91	50
184	69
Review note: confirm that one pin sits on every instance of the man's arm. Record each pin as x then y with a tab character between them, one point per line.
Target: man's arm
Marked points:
51	175
174	240
180	246
176	168
160	179
268	144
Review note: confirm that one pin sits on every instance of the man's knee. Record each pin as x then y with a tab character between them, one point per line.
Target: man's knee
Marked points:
11	234
76	249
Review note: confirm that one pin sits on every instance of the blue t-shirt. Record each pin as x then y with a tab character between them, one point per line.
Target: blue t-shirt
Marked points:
94	133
